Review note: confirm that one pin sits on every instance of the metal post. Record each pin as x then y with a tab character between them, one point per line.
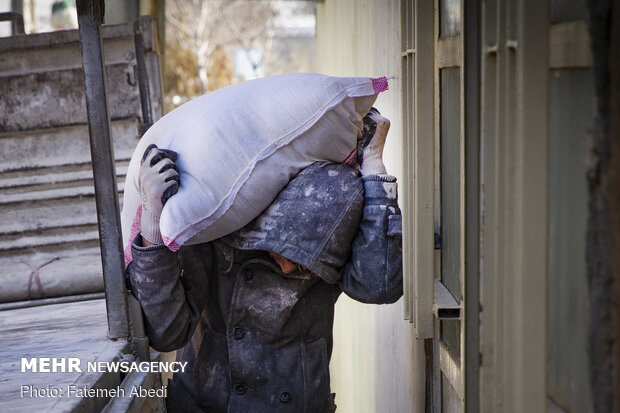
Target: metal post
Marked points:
471	66
143	85
90	17
17	8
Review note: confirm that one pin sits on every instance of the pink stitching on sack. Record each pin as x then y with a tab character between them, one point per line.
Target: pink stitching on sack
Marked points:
379	84
135	230
351	159
171	244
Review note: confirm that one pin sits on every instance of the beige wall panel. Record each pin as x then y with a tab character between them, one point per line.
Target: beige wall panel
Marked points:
377	365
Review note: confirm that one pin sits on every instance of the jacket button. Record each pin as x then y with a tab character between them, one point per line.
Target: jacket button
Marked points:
238	333
247	274
285	397
240	389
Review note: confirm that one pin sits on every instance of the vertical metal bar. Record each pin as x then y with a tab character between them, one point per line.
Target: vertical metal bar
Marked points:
530	197
471	67
17	8
407	247
429	389
18	24
90	16
489	83
613	169
143	84
424	118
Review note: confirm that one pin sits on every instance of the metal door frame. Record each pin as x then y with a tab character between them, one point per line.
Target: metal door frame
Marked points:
450	52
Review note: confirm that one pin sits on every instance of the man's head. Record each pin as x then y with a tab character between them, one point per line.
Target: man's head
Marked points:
311	223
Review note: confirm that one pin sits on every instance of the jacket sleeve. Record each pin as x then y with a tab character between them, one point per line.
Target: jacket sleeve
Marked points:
171	288
374	274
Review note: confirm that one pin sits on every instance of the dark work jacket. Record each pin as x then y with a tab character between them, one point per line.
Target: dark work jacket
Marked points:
255	339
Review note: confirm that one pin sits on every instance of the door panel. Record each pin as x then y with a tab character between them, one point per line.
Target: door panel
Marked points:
450	137
449	335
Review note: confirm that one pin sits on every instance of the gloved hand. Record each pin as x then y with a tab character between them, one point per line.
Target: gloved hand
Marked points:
158	180
370	146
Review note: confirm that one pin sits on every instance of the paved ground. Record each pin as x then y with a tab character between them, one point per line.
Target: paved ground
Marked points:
57	330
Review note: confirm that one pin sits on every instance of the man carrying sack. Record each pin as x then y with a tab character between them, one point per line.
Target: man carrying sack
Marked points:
252	312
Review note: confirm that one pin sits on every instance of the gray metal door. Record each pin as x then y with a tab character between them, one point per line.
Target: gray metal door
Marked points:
441	108
455	343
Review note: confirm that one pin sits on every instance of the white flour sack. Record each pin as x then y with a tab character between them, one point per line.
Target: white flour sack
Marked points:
240	145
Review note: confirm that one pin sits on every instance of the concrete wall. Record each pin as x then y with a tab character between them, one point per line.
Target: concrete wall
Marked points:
377	365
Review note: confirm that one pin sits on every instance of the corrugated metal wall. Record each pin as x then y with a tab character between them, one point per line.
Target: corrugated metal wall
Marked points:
377	365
